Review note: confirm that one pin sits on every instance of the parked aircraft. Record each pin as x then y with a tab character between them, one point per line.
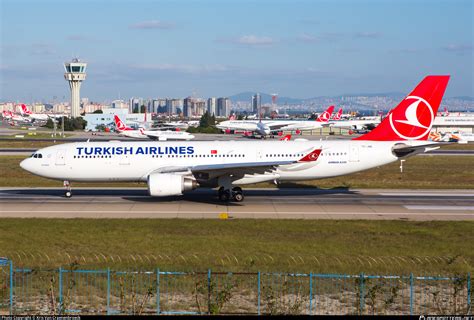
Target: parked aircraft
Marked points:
141	133
25	112
171	168
267	127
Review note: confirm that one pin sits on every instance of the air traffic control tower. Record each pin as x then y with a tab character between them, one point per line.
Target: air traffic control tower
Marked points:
75	74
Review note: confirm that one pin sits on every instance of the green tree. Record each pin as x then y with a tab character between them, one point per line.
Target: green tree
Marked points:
205	120
142	108
98	111
49	124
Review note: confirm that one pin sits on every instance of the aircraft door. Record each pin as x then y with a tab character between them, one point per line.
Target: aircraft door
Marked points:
61	157
354	153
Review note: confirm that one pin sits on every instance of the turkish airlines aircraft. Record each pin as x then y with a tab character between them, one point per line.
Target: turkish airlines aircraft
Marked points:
141	133
266	127
171	168
15	118
24	111
338	115
336	122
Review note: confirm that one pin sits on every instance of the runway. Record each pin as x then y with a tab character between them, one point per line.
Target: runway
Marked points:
294	203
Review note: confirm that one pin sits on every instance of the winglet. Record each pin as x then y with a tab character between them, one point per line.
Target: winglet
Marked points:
286	138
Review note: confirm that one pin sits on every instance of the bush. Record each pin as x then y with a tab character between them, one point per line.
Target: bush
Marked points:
70	124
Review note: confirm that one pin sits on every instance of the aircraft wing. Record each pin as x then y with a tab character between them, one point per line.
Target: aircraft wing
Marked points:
215	170
210	171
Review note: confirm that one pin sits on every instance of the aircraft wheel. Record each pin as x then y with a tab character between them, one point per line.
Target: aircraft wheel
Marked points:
224	195
68	194
238	196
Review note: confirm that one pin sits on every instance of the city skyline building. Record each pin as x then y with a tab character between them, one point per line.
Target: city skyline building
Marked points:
75	74
223	107
212	106
256	103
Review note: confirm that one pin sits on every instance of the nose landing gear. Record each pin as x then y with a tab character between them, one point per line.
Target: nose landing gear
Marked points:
68	192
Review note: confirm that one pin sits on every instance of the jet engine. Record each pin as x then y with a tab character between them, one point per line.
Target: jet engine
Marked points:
168	184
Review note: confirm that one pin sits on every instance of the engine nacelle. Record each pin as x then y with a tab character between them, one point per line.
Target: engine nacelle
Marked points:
168	184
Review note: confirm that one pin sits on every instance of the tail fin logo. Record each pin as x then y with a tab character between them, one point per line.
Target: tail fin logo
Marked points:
338	115
120	125
412	122
25	109
324	117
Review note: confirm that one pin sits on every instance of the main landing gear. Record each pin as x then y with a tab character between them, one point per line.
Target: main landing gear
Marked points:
235	194
68	192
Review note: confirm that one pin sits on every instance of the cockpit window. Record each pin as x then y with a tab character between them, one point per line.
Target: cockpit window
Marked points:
37	155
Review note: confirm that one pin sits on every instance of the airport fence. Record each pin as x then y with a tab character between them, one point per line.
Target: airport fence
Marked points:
74	291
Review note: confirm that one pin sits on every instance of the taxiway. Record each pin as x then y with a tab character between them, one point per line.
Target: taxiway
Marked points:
290	203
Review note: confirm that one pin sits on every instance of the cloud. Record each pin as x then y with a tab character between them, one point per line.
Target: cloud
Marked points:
307	38
250	40
368	35
41	49
322	37
152	24
77	37
458	48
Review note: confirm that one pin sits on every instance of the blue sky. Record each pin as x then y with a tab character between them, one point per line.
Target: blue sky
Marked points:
218	48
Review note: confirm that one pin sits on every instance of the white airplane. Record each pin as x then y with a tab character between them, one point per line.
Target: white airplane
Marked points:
25	112
14	117
7	115
171	168
354	124
178	125
266	127
459	137
141	133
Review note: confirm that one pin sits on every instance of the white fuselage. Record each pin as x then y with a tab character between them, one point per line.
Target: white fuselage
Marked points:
353	124
273	125
157	134
135	161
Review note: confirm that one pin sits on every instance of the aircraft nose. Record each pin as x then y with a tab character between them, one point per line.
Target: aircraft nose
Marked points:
26	164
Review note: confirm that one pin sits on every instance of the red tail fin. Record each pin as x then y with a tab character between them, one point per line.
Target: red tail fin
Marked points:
25	109
326	115
119	124
413	118
338	115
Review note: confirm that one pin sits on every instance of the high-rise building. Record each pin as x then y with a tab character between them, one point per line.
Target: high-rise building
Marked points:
223	107
157	106
135	105
174	106
188	107
256	103
75	74
212	106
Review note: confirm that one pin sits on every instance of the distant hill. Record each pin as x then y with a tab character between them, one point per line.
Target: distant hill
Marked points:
467	98
322	100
